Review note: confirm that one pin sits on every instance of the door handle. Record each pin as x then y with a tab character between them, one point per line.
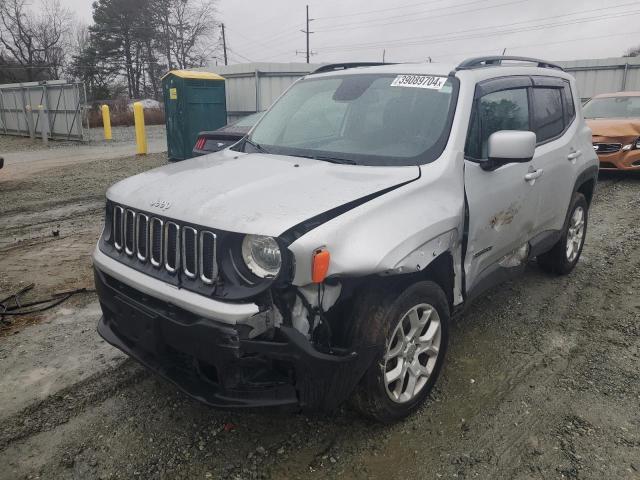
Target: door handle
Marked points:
573	155
533	175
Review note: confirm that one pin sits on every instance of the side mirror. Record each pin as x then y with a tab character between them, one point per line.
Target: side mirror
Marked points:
510	146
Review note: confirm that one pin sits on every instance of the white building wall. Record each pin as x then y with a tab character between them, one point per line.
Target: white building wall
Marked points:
604	75
253	87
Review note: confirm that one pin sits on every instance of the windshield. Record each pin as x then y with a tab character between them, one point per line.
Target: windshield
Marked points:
248	121
364	119
612	107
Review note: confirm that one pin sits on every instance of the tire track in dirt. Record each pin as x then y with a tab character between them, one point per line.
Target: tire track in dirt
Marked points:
70	402
514	401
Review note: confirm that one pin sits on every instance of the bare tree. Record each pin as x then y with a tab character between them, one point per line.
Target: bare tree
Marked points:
36	42
185	29
632	52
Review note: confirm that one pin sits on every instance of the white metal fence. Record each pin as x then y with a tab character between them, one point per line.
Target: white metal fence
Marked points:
604	75
253	87
52	109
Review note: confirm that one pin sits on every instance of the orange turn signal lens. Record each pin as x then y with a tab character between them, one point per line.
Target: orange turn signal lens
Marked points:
320	265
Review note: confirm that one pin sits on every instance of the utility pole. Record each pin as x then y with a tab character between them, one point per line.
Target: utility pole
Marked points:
384	51
307	32
224	45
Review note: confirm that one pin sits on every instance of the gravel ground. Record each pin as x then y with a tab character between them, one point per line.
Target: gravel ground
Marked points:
542	379
94	136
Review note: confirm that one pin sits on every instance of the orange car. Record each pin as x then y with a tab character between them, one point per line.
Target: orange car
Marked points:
614	119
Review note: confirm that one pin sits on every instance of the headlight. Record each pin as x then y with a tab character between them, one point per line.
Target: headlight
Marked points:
262	255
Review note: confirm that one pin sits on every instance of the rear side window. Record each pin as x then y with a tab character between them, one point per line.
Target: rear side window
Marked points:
569	107
503	110
548	119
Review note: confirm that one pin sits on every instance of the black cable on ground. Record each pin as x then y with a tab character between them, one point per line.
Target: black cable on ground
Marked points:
19	309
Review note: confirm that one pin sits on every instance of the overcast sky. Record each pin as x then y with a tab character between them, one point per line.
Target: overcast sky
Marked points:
445	30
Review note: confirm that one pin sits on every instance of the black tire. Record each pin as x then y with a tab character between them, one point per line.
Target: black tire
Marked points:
377	316
556	260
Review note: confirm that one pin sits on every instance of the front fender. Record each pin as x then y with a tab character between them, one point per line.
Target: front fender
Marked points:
402	230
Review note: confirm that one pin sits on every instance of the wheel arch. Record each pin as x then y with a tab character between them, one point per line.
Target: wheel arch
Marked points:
440	271
586	183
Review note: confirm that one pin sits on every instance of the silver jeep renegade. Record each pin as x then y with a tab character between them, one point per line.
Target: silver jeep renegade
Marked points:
321	257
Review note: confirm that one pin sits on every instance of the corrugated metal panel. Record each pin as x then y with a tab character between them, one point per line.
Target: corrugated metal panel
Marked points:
604	75
253	87
55	106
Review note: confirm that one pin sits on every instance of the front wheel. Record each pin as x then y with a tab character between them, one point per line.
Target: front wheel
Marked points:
415	328
564	255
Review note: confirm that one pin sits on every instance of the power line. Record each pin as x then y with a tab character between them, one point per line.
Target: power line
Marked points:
268	40
367	12
462	35
512	47
410	17
239	55
488	7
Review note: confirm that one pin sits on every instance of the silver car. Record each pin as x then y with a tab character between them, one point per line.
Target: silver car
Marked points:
321	258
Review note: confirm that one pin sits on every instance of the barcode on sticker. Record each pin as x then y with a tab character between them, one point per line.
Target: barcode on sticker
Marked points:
419	81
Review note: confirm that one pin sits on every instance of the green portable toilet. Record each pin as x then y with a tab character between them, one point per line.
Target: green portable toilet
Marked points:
193	101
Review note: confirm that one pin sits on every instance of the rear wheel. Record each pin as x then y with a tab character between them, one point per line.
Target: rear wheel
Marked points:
414	326
564	255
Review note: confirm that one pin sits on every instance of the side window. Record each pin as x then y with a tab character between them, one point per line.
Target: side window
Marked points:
503	110
569	107
548	120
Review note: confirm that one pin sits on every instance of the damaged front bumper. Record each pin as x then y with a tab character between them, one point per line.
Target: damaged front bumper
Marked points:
218	363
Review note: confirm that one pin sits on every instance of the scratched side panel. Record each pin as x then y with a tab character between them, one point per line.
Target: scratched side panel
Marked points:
502	214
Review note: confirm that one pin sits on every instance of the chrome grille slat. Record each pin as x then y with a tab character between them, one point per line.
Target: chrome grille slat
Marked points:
166	244
156	235
129	232
189	252
208	265
171	247
142	236
118	214
607	147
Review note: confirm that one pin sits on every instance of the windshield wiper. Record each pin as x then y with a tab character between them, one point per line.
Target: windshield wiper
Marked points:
323	158
257	146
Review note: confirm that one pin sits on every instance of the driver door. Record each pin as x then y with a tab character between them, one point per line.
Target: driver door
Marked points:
502	204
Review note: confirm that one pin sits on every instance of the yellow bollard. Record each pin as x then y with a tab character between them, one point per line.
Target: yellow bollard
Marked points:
106	121
141	137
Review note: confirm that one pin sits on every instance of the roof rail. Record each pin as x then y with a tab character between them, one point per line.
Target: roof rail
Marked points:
332	67
497	60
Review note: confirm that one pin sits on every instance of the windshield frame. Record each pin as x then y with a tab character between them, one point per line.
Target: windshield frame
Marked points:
612	97
428	156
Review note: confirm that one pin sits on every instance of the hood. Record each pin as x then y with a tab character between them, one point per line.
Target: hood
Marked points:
625	130
252	193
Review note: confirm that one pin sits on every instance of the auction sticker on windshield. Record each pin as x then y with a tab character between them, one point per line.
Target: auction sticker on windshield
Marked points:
419	81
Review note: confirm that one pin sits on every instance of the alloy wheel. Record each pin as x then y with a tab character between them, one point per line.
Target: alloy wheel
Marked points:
575	234
412	352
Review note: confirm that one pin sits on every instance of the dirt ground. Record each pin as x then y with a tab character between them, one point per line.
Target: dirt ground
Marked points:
542	379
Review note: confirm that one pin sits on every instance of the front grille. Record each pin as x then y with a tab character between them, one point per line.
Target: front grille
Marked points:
607	147
165	245
171	246
118	219
207	254
129	232
190	251
142	236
